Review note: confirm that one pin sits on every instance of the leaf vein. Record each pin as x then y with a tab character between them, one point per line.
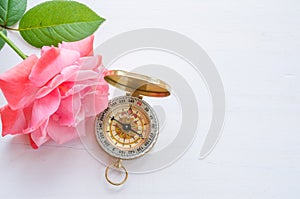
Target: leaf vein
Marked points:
59	34
68	31
37	36
2	7
7	13
54	25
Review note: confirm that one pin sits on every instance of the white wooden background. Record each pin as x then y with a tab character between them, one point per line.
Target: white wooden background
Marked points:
255	45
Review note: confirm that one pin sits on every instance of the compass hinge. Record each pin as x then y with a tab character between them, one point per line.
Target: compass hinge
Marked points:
134	95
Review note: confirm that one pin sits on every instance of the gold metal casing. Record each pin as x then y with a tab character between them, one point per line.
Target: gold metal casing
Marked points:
137	84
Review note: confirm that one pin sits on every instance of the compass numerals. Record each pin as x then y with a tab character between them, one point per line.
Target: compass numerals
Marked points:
131	101
116	139
148	142
113	103
122	101
103	114
106	143
121	152
131	152
153	126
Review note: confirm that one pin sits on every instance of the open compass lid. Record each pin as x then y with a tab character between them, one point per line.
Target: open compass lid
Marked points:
137	84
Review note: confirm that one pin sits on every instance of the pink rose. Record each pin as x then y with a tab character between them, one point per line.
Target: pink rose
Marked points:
49	97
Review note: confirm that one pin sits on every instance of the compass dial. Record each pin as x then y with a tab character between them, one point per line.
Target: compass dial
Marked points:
128	128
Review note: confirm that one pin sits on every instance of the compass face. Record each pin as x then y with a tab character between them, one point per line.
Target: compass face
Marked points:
127	128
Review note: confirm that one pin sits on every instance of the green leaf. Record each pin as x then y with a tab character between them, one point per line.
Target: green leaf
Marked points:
52	22
1	40
11	11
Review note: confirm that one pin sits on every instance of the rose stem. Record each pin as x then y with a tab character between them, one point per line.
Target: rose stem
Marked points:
12	45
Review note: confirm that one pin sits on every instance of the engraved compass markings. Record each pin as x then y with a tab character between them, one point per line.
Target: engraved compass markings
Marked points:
129	110
126	135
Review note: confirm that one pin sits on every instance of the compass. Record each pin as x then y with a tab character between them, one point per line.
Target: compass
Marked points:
128	128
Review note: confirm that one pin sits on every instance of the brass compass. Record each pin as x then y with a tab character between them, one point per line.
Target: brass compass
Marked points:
128	128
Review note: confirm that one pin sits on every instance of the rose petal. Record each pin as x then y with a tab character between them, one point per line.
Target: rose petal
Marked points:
87	85
84	47
84	86
61	134
103	87
67	111
13	121
90	63
15	85
52	62
86	75
43	108
65	75
39	136
94	102
101	102
33	145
